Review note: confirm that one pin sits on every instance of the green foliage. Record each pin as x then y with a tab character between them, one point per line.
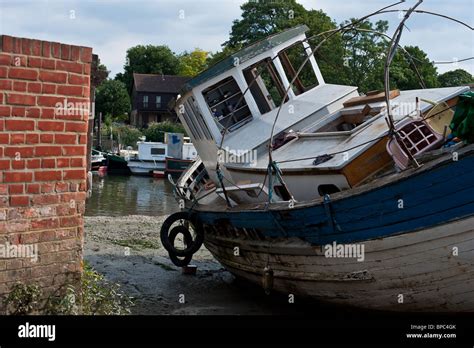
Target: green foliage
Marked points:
156	130
23	299
112	99
454	78
96	296
216	57
99	73
192	63
126	135
148	59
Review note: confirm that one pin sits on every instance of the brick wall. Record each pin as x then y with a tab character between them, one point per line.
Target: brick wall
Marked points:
44	96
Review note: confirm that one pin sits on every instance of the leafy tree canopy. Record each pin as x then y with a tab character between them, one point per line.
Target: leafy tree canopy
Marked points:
192	63
456	77
112	99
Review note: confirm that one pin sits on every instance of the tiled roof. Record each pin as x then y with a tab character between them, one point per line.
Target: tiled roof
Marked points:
158	83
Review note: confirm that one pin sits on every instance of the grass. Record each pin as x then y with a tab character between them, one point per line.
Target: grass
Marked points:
137	244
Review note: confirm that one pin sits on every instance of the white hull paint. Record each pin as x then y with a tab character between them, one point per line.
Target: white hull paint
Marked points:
420	266
145	168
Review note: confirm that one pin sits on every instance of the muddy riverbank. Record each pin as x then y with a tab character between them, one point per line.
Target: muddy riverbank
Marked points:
127	250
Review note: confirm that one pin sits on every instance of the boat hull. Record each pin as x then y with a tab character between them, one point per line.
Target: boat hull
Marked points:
417	235
145	167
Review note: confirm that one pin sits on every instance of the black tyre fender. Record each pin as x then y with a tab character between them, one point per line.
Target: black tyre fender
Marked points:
165	234
188	240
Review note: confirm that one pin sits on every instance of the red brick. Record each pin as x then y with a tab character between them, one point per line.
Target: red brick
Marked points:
75	53
77	174
33	188
33	112
73	67
19	61
19	125
36	47
76	127
48	64
4	164
5	110
18	164
70	90
87	69
56	49
16	189
62	187
78	80
70	221
47	151
26	46
46	138
23	152
48	175
65	51
86	54
21	99
34	87
77	162
48	163
51	126
16	201
5	85
5	59
7	43
18	111
3	189
19	86
34	62
16	45
56	77
74	150
64	139
46	49
45	199
32	138
3	71
17	139
49	100
18	177
4	138
33	163
48	88
23	74
47	188
63	162
43	224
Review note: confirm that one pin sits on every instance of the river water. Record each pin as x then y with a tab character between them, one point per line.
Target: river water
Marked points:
130	195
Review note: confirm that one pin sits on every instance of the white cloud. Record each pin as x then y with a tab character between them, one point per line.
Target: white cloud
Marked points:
112	26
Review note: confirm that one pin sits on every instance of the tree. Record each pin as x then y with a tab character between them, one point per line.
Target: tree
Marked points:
454	78
99	73
220	55
156	130
148	60
112	99
263	18
192	63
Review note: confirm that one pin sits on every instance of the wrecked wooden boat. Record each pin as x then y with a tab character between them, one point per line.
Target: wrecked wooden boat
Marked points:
364	201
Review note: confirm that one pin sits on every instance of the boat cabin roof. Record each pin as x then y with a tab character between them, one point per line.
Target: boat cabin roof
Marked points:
243	55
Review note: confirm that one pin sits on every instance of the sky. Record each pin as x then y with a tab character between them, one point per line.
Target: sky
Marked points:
113	26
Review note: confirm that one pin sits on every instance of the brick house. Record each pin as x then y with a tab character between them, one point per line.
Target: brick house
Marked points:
151	95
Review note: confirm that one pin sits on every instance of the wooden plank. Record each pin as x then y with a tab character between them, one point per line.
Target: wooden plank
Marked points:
369	163
370	98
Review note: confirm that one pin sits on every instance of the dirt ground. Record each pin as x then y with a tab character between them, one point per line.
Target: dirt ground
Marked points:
128	251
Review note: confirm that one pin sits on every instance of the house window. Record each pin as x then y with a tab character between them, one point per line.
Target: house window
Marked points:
158	101
145	101
265	85
292	58
226	104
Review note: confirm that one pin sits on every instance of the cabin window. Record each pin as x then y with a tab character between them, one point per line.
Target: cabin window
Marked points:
200	118
265	85
327	189
145	101
227	104
282	192
292	58
158	101
157	151
192	121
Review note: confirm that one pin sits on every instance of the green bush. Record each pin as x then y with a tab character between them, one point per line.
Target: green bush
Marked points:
156	130
96	296
127	135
